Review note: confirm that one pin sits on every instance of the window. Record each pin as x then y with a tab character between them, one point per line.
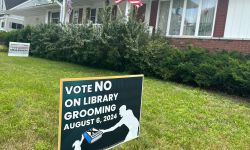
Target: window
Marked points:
14	25
3	24
19	26
191	17
114	12
163	16
207	17
75	16
87	15
176	17
55	17
93	15
186	17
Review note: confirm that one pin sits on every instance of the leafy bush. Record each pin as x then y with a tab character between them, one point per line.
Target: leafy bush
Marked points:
126	46
3	35
16	35
3	48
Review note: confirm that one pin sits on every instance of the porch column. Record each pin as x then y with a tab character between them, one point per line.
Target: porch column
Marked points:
64	11
47	17
148	11
64	17
127	10
61	14
6	25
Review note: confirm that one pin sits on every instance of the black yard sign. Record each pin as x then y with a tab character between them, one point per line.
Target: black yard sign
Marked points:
99	113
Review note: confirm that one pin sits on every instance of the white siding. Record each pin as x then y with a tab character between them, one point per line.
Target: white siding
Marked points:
238	19
35	20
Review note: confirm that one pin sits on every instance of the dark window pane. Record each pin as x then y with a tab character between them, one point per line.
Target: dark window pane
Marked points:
56	15
93	15
93	12
13	26
19	26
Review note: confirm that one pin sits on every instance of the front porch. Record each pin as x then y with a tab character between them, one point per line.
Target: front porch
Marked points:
84	11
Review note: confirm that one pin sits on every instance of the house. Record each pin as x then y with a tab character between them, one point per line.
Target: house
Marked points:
9	22
45	11
212	24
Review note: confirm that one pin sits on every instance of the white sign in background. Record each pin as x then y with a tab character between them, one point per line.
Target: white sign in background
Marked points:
19	49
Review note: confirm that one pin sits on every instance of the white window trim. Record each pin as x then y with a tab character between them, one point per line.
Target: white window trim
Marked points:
198	20
158	15
96	15
183	18
215	13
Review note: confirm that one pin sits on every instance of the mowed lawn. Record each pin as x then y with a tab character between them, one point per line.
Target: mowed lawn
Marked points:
174	116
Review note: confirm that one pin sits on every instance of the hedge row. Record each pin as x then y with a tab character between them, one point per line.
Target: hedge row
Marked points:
126	46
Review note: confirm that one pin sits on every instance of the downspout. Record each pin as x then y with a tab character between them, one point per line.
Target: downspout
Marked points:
6	24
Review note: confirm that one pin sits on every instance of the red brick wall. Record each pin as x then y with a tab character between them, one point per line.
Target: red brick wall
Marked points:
242	46
221	17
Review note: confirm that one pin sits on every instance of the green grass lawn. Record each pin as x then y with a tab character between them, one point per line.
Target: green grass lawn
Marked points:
173	116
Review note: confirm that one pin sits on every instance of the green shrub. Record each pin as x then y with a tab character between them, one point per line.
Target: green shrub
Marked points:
22	35
3	48
44	39
126	46
3	35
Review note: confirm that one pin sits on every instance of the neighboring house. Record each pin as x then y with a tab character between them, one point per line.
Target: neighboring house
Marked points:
9	22
45	11
212	24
